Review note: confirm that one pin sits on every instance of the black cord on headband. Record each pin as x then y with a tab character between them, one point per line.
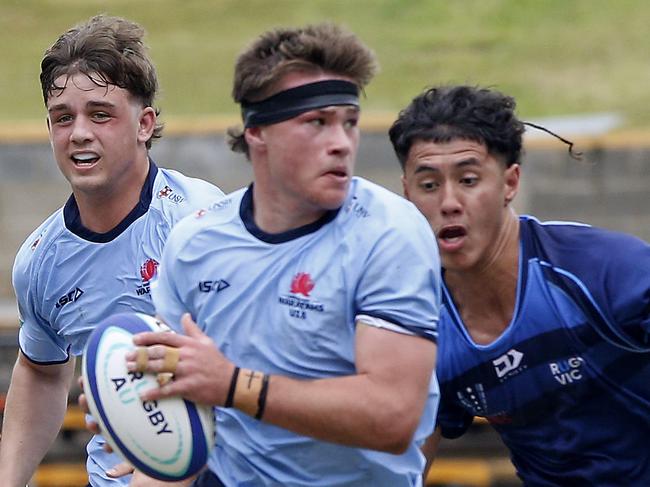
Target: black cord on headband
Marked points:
577	155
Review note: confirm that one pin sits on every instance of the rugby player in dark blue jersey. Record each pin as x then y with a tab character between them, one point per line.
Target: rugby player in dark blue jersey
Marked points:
545	325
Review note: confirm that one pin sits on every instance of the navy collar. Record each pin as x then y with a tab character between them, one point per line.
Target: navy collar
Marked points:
246	214
72	219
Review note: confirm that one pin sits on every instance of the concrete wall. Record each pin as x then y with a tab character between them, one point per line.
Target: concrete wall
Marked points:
610	188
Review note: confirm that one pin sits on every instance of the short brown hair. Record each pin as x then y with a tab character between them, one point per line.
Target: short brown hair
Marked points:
314	48
110	51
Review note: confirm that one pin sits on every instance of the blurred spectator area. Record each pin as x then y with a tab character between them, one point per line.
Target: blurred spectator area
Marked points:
609	187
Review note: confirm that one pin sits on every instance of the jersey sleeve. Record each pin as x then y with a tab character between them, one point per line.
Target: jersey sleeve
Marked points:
625	294
37	340
400	283
188	195
607	273
453	420
201	194
165	288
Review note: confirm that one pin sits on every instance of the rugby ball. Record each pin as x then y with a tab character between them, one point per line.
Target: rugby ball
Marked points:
169	439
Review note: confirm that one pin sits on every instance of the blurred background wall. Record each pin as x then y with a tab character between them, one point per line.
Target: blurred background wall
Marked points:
609	187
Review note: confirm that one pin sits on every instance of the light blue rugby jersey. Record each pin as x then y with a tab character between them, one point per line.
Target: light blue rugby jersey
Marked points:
567	385
67	278
287	303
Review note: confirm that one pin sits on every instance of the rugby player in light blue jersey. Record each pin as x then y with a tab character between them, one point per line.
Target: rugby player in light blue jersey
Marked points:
545	326
316	293
97	255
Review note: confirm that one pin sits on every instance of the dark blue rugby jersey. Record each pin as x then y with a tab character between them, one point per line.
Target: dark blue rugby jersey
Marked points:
567	385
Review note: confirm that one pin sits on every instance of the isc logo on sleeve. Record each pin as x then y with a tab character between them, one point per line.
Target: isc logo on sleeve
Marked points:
69	297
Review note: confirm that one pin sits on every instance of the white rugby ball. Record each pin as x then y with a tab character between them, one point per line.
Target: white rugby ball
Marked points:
169	439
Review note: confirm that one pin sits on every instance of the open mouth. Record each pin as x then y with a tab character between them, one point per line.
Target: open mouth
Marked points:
452	233
85	158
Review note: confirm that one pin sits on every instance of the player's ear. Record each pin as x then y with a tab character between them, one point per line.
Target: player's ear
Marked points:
255	137
511	183
146	124
405	188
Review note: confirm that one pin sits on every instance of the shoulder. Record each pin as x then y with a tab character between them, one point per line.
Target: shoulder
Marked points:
41	239
605	272
176	195
380	206
577	245
36	247
203	221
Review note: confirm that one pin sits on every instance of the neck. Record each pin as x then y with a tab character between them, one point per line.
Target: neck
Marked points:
103	209
486	295
275	213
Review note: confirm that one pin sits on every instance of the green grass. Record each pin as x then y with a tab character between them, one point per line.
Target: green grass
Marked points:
555	56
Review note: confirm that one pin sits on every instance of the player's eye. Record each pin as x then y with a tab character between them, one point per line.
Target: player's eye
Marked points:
351	122
469	180
428	185
63	119
101	116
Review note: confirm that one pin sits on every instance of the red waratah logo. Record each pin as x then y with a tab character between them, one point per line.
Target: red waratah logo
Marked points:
302	284
148	269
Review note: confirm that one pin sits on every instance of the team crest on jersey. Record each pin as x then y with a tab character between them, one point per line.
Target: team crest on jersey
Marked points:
302	284
168	193
300	307
148	271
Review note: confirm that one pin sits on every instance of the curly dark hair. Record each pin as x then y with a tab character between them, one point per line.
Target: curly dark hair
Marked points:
446	113
110	51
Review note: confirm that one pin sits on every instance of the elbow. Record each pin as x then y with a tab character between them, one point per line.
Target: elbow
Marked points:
398	446
397	443
396	432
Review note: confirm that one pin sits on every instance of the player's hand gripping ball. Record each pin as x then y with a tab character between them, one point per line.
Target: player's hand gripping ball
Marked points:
169	439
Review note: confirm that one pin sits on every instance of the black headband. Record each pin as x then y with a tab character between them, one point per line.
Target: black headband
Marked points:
294	101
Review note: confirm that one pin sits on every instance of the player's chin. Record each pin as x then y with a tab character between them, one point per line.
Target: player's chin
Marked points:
331	200
332	196
456	261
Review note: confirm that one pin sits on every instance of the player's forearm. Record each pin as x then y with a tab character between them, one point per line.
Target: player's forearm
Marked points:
348	410
378	408
34	412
